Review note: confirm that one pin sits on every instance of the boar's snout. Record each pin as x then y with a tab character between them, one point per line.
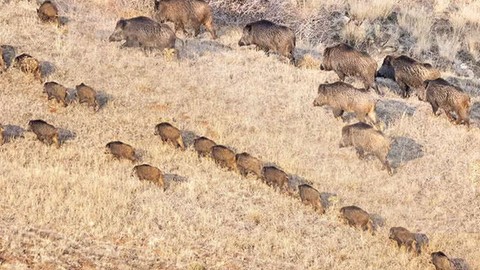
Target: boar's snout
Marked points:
322	67
241	43
114	37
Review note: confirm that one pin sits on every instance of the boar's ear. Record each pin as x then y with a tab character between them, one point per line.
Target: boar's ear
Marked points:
122	23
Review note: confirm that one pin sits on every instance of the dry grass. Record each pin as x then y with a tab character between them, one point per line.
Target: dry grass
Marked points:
74	207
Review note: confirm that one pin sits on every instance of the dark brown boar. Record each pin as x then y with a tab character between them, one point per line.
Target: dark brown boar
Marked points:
203	146
343	97
224	157
347	61
150	173
87	94
365	139
56	91
121	150
185	13
408	73
246	164
29	65
45	132
143	32
357	217
48	12
311	196
275	177
442	95
269	36
405	238
170	134
441	261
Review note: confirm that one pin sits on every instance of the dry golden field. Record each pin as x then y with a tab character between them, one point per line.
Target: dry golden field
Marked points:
76	208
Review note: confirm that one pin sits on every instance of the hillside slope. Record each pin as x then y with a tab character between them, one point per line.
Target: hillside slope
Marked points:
74	207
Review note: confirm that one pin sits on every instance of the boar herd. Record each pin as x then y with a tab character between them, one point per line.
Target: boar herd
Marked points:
365	136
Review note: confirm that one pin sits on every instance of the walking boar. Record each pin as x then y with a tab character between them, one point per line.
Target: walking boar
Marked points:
87	94
185	13
48	12
343	97
45	132
357	217
442	95
367	140
143	32
56	91
246	164
347	61
311	196
203	146
408	73
275	177
224	157
29	65
441	261
120	150
150	173
269	36
171	134
404	237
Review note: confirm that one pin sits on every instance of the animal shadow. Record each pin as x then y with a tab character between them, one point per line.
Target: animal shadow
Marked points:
173	179
201	47
326	199
460	264
404	149
188	137
389	111
8	54
66	135
378	221
475	111
389	84
102	99
11	132
47	68
63	20
294	181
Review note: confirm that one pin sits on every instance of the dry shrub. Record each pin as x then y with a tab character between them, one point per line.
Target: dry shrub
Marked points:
309	62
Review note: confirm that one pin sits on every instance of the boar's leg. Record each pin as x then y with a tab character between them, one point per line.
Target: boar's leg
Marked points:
434	107
360	153
210	28
404	88
337	112
341	75
449	115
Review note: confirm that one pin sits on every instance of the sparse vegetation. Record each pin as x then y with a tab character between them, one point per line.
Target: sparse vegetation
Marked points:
73	207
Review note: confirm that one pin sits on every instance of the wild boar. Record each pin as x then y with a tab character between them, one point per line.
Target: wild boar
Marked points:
365	139
408	73
441	261
29	65
87	94
203	146
3	65
185	13
45	132
56	91
120	150
347	61
311	196
48	12
442	95
143	32
170	134
357	217
269	36
404	237
150	173
275	177
224	157
343	97
246	164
